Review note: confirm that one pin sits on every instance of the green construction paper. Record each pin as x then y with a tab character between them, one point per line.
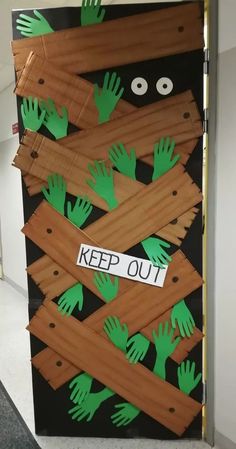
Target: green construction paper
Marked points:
182	315
124	162
186	377
90	405
56	195
116	332
91	12
105	286
163	152
55	123
126	414
70	299
138	347
29	26
80	212
165	346
30	114
81	386
108	96
103	183
154	248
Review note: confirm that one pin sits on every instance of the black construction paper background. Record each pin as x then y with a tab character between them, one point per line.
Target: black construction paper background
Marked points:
51	407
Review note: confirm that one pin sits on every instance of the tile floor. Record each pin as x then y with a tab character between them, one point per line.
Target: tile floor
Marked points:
15	374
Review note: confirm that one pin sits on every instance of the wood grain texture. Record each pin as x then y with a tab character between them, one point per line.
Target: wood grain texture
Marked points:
177	117
157	398
53	279
138	307
118	42
44	80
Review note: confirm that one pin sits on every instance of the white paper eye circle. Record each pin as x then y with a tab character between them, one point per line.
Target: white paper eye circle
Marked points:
164	86
139	86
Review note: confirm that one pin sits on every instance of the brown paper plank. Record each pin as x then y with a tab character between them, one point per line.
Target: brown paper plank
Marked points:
118	42
139	306
44	80
157	398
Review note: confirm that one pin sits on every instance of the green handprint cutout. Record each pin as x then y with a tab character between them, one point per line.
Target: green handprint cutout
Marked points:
30	114
154	248
70	299
107	98
125	415
87	409
163	152
124	162
91	12
103	183
105	286
80	212
29	26
81	388
56	195
55	123
186	374
116	332
138	347
184	318
164	348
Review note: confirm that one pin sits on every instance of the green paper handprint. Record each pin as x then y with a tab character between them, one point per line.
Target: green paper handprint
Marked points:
138	347
125	415
116	332
184	318
91	12
107	98
55	123
81	388
186	374
105	286
154	248
29	26
56	195
124	162
30	114
165	346
70	299
80	212
87	409
103	183
163	152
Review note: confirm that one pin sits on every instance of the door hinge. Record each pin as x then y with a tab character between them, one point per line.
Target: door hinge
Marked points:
206	61
204	393
205	120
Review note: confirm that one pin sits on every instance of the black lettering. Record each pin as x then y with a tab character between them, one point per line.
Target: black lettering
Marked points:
93	256
116	260
157	274
129	268
82	255
148	273
105	259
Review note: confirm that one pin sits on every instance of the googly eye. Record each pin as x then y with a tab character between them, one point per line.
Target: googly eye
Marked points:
139	86
164	86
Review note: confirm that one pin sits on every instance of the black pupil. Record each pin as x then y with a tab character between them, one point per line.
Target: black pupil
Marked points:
165	86
139	85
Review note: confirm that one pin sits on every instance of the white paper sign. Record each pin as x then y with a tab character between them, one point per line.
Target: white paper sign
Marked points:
119	264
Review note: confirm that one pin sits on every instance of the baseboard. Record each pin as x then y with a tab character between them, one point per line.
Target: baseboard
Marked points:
222	442
16	286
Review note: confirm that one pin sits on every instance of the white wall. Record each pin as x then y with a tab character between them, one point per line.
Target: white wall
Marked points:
225	245
11	213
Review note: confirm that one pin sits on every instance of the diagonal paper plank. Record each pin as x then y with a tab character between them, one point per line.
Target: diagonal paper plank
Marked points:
53	279
157	398
118	42
40	156
44	80
177	117
137	307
